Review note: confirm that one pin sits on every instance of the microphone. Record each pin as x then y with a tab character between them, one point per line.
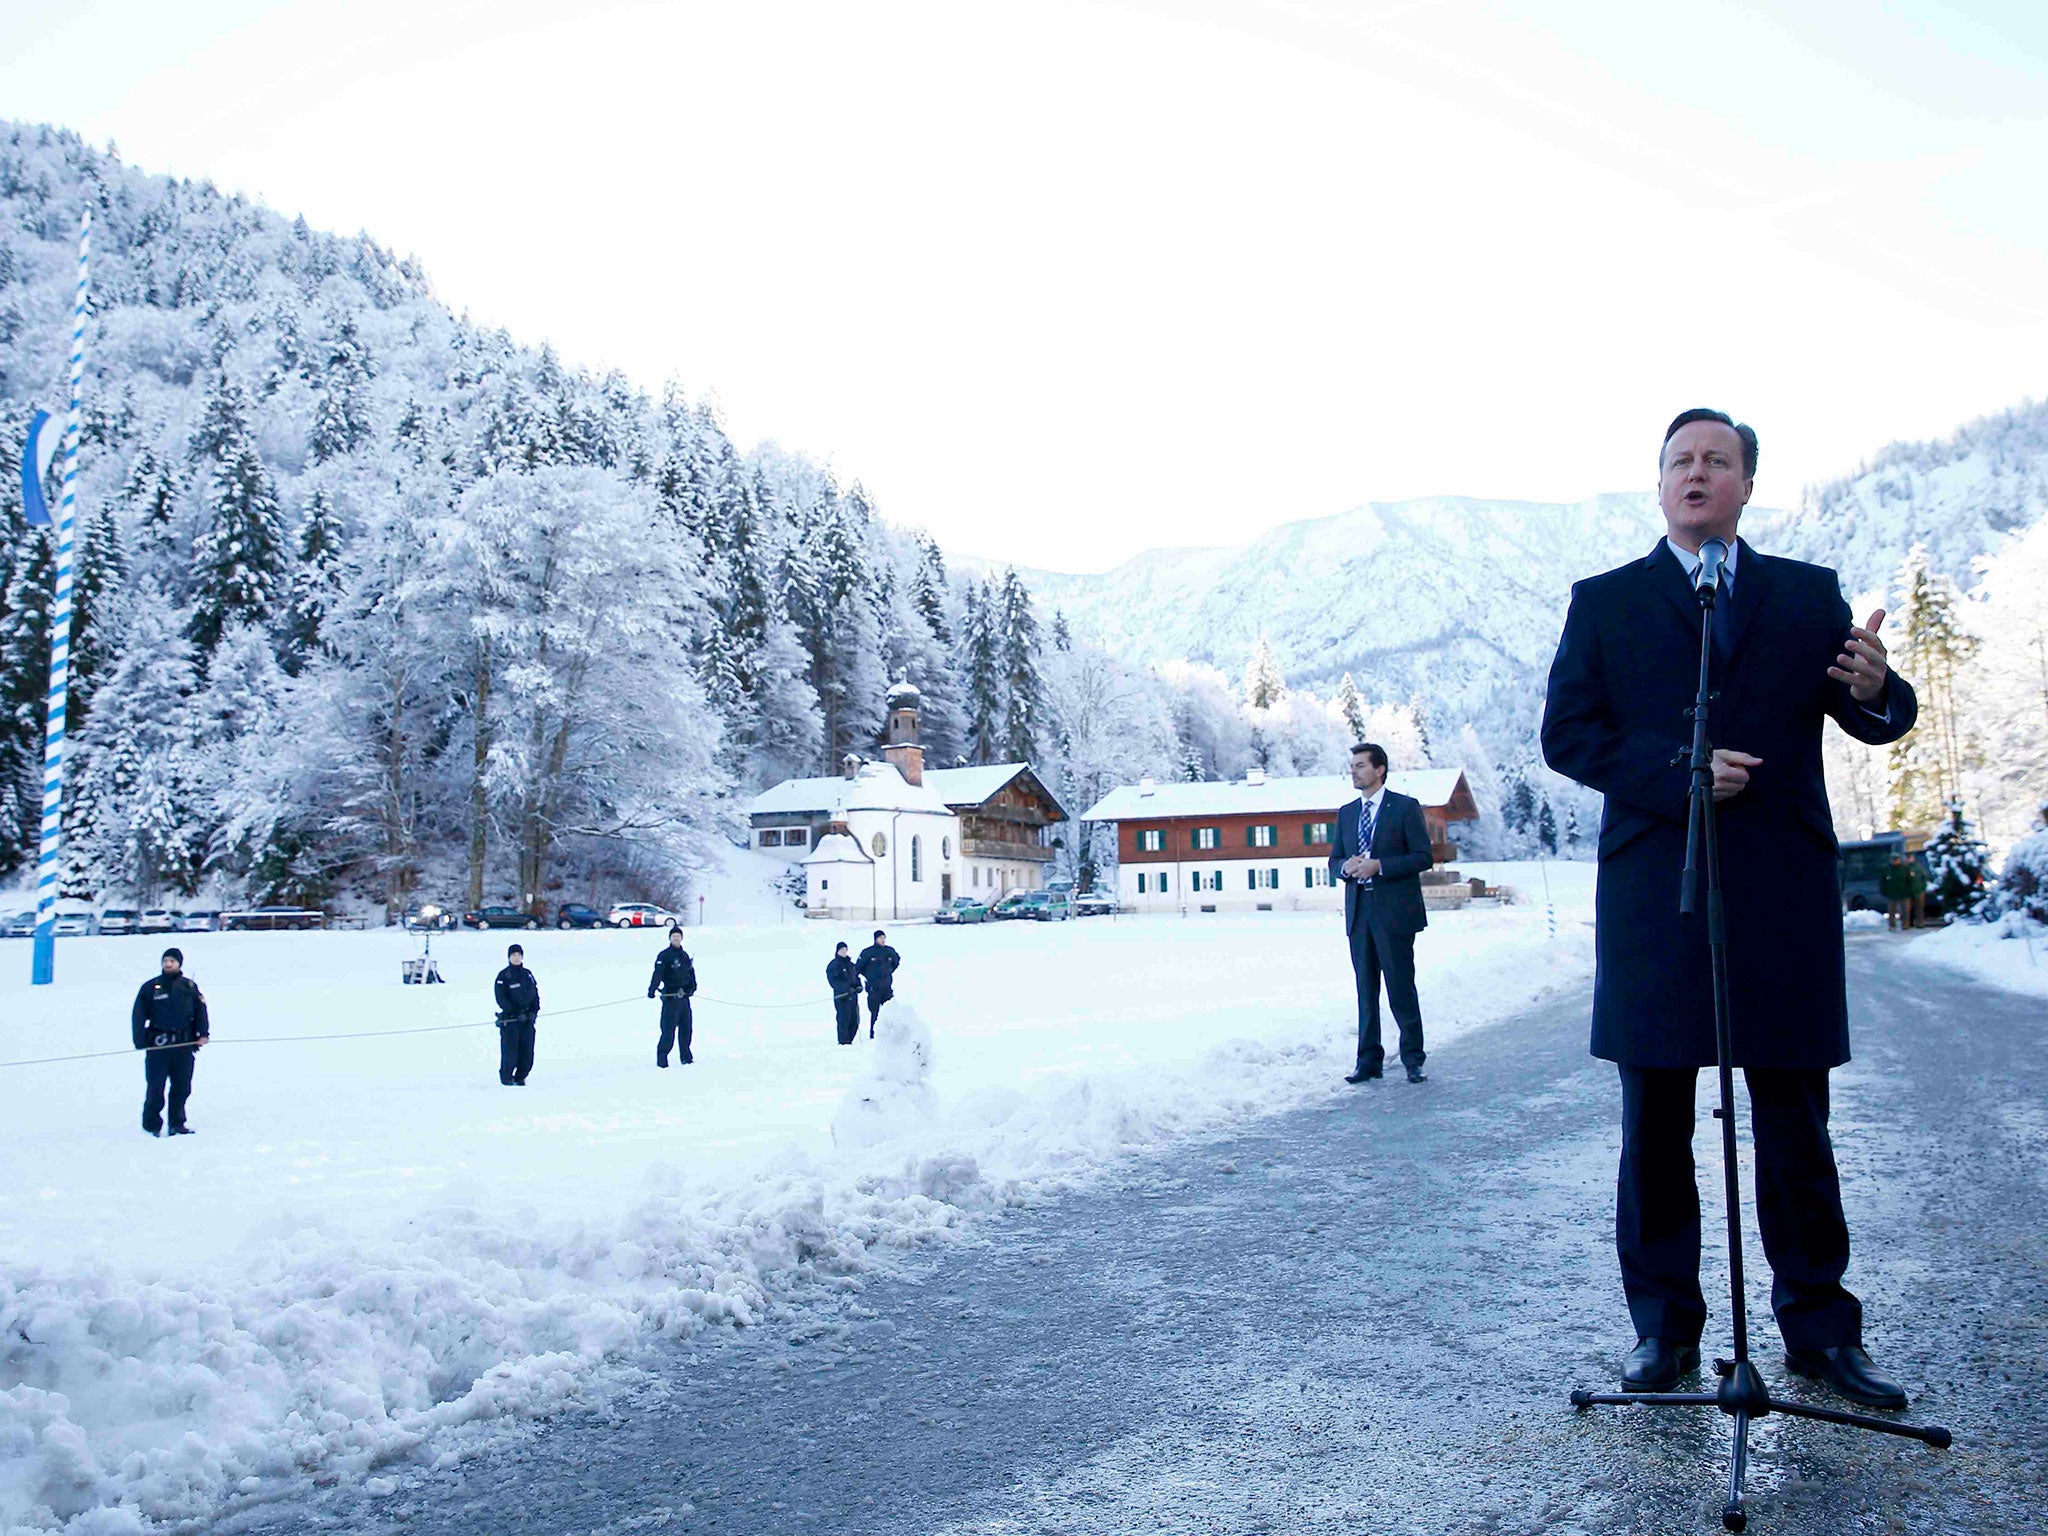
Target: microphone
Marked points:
1712	571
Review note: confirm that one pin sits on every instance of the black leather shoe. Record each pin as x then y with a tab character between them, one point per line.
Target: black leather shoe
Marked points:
1365	1077
151	1131
1417	1075
1850	1372
1655	1365
182	1130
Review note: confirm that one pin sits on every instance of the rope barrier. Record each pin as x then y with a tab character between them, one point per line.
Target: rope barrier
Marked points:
378	1034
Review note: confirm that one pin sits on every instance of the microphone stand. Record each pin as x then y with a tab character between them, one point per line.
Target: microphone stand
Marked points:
1743	1394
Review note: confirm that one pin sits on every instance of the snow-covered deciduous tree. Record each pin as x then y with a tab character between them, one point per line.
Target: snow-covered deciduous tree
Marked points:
599	732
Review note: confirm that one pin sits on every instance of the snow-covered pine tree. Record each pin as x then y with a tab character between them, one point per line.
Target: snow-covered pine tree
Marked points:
981	627
1263	684
1024	719
1062	636
928	588
24	688
1351	706
2023	887
142	765
341	416
316	580
101	572
150	495
1546	826
239	560
1958	867
1926	766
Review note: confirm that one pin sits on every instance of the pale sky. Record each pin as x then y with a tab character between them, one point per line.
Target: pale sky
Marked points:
1061	280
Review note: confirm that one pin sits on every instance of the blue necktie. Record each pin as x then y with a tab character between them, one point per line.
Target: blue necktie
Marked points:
1724	634
1365	824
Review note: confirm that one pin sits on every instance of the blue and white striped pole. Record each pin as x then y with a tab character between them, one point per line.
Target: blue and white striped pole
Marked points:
43	966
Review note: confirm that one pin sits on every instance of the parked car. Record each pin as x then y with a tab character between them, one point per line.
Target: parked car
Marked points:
120	920
20	926
74	924
500	917
640	914
157	920
573	914
298	919
199	920
1046	907
1008	907
962	909
414	918
1095	904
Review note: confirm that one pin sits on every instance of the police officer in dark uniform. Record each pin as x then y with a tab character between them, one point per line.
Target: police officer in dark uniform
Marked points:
845	983
675	978
877	968
518	1008
169	1023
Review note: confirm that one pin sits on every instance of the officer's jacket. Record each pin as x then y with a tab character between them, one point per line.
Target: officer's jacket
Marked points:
518	993
842	977
169	1010
877	967
675	975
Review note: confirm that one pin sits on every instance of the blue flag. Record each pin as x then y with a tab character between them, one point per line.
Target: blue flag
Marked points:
36	458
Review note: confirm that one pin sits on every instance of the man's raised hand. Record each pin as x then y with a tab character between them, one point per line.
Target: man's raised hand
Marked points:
1862	664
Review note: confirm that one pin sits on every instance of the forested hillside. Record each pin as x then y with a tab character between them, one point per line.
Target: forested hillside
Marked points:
372	598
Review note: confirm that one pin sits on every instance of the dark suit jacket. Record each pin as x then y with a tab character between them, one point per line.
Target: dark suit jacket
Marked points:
1400	841
1615	720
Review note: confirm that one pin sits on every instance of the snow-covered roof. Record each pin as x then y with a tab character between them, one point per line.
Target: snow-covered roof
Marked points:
838	848
976	786
877	787
1242	797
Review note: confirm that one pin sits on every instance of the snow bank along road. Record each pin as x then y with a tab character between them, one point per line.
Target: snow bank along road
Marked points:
1364	1315
372	1254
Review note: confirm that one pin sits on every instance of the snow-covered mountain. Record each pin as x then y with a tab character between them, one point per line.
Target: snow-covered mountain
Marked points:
1457	600
1963	497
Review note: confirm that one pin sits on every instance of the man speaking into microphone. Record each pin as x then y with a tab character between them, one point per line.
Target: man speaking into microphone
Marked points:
1786	658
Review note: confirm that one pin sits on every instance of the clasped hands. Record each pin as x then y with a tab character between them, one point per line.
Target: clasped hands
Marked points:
1861	665
1359	867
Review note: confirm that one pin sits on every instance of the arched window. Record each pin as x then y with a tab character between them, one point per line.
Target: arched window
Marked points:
945	848
916	860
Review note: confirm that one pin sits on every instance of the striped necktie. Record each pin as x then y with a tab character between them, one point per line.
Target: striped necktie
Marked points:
1366	819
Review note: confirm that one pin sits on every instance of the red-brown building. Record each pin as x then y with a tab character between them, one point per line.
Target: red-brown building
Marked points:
1255	842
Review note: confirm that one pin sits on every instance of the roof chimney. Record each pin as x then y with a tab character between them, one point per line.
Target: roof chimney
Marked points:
1147	784
851	763
1255	776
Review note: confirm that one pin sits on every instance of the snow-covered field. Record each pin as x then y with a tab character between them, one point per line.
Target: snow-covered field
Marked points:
372	1250
2012	953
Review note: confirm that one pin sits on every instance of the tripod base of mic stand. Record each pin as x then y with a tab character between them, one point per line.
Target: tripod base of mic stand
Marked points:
1744	1396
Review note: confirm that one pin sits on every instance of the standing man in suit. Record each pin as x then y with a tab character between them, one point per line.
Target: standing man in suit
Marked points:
1787	658
1381	851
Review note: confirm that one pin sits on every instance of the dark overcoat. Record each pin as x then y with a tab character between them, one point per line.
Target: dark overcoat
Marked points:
1615	719
1400	841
